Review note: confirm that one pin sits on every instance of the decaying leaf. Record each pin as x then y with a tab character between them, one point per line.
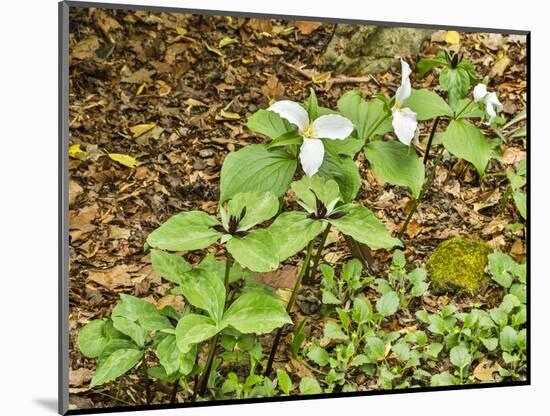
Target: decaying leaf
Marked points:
306	27
486	370
452	37
113	278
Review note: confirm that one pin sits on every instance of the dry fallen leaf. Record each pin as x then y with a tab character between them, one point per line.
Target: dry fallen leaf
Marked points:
305	27
123	159
113	278
452	37
499	67
174	301
80	376
273	88
140	129
82	219
74	191
485	369
86	48
283	278
140	76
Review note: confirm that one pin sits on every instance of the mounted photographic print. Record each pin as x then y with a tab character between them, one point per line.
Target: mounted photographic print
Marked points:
263	208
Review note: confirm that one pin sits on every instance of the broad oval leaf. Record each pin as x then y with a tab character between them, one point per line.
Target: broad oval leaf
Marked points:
456	81
292	231
344	172
255	312
193	329
91	339
131	329
269	123
256	251
142	312
260	206
397	164
254	168
118	363
168	354
368	117
466	141
185	231
326	190
361	224
427	105
204	290
169	266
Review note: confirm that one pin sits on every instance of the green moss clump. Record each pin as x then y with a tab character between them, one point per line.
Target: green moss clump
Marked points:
458	265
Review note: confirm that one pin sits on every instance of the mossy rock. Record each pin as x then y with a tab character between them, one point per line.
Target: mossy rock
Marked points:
458	265
366	49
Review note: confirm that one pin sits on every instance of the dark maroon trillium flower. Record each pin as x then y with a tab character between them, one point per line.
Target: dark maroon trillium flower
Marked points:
232	225
321	210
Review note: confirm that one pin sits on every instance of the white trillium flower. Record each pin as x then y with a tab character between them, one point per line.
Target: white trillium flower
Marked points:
404	119
332	126
490	99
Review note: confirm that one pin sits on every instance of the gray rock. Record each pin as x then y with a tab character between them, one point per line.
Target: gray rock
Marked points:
356	49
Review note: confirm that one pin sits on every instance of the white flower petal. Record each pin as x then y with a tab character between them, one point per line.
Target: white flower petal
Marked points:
311	155
292	112
490	111
404	124
493	99
404	90
480	91
332	127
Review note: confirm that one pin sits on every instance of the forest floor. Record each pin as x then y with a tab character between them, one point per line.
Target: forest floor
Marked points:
168	72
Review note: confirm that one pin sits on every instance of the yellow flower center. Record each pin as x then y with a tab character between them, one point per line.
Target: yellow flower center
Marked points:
397	106
308	132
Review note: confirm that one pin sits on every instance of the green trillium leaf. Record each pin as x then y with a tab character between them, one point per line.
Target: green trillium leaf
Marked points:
344	172
254	312
169	266
142	312
118	363
292	231
185	231
368	117
258	206
427	105
269	123
397	164
92	339
466	141
257	169
256	251
363	226
193	329
204	290
326	190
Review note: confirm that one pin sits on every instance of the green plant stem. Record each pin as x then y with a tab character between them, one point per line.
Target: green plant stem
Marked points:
432	134
417	201
289	308
200	388
147	380
310	273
